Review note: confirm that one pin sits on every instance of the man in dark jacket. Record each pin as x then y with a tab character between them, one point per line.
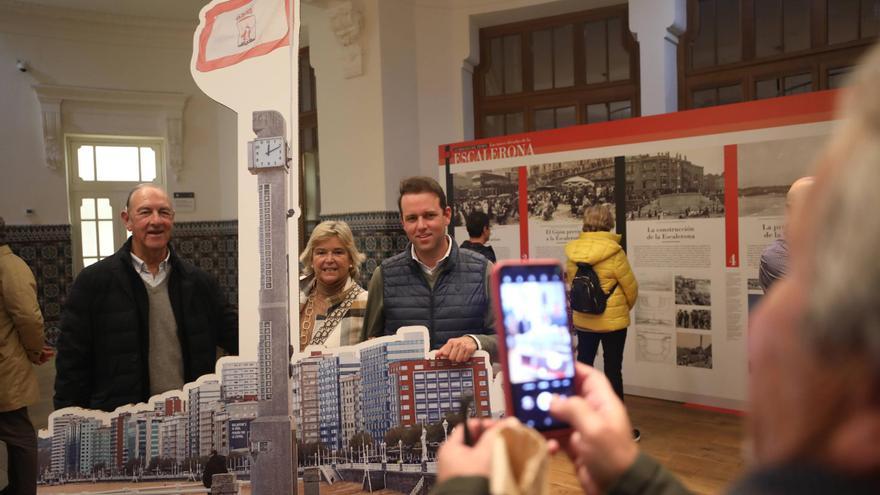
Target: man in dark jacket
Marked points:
432	283
479	232
142	321
216	465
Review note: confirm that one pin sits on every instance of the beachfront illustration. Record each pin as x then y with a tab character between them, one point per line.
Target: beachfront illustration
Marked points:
384	403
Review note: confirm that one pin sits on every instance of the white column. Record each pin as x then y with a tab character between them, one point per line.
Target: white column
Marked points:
657	25
400	119
349	95
364	56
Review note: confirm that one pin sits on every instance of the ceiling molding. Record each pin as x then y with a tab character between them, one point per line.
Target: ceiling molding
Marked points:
166	101
94	27
93	17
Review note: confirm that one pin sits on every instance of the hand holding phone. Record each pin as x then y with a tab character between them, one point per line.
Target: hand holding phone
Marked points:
534	340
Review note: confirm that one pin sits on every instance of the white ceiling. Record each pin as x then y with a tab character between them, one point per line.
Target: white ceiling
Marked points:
181	10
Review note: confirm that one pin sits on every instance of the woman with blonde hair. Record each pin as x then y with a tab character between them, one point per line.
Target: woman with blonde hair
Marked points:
331	303
600	248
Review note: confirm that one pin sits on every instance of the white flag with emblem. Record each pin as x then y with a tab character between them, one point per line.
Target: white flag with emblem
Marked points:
235	30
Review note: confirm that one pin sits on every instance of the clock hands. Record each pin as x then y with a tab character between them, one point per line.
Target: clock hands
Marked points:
270	156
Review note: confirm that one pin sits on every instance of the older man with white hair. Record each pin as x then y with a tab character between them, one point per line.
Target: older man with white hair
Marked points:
141	321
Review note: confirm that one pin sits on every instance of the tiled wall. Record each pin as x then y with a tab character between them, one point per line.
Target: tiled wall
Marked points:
212	246
378	235
46	249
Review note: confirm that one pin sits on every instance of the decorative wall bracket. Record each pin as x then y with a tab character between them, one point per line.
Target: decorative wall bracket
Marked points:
174	137
347	23
52	133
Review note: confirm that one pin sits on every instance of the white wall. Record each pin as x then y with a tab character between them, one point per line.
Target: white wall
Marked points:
400	93
350	137
657	25
414	95
67	48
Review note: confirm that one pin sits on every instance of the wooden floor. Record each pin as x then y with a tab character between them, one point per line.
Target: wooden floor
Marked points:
704	448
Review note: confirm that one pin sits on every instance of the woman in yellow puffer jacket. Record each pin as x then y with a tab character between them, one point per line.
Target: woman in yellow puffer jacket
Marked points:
600	247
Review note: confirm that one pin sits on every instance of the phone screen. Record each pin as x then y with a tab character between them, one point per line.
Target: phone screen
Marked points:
539	355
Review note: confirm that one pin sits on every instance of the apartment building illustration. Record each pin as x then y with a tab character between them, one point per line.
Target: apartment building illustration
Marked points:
179	430
335	394
382	384
428	389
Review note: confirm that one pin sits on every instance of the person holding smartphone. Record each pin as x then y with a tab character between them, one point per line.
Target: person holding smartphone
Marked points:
600	248
814	351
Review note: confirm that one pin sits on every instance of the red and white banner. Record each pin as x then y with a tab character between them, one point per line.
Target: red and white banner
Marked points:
774	112
697	196
236	30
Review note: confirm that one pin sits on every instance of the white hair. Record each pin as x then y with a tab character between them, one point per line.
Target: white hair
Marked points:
843	315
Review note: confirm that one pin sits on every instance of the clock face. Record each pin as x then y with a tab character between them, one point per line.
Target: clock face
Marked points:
269	152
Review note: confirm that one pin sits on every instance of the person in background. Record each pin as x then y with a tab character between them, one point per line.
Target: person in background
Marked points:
21	346
600	247
479	232
216	465
774	259
432	282
814	349
331	303
141	321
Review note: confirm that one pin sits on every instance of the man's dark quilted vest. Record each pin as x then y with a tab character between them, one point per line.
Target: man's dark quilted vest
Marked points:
457	306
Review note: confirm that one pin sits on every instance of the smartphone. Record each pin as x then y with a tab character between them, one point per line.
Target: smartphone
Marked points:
534	340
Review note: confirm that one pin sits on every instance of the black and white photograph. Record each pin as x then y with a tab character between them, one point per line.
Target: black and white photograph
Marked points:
675	185
693	291
693	350
755	284
495	193
559	192
697	319
767	169
654	281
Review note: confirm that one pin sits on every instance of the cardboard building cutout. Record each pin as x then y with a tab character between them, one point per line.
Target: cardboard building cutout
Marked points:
385	401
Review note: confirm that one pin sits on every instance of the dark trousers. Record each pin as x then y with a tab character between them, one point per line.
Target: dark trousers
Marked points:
612	351
21	443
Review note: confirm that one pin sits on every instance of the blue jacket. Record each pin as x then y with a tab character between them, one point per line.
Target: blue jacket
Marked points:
456	306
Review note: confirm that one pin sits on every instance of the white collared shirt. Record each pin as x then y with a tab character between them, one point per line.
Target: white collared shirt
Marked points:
152	280
430	271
